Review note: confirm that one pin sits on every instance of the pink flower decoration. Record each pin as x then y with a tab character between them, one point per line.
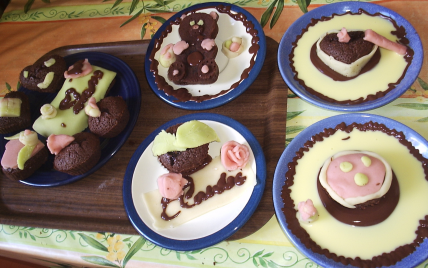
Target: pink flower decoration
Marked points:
86	69
234	155
170	185
307	210
343	36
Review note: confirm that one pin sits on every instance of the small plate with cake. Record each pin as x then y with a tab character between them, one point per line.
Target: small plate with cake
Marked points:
348	192
205	56
213	200
350	74
123	93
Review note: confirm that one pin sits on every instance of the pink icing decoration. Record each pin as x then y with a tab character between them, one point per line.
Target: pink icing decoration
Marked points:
93	103
343	36
381	41
234	155
195	27
234	47
12	148
214	15
175	72
343	182
179	47
208	44
171	185
183	16
56	143
307	209
205	69
86	69
165	49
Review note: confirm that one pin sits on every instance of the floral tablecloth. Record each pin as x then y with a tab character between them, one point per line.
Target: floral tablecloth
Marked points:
29	29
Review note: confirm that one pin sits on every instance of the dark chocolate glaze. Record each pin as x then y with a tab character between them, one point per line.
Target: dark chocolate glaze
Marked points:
368	216
182	94
223	184
79	100
323	68
400	32
289	210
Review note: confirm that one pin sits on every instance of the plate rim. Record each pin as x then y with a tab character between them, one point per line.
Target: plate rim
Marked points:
131	77
221	100
421	252
327	10
232	227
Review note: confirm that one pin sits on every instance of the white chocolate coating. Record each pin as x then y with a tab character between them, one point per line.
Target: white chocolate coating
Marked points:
388	70
365	242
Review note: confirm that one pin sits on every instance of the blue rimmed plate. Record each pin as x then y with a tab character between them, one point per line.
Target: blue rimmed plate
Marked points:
285	48
231	73
126	85
421	252
212	227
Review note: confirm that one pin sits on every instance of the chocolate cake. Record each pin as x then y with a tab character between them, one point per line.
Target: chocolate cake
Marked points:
186	70
80	155
185	162
349	52
12	124
33	77
30	166
113	119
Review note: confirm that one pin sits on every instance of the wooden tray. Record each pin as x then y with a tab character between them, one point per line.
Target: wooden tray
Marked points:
95	203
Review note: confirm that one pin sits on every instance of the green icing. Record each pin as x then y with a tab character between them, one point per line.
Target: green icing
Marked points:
361	179
50	62
24	154
193	134
48	80
66	122
346	166
366	161
10	107
26	74
163	143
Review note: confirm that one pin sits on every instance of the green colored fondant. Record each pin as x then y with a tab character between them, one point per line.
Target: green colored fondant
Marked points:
66	122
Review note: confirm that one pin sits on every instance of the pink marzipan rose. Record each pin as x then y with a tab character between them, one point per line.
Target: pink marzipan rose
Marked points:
170	185
234	155
307	210
343	36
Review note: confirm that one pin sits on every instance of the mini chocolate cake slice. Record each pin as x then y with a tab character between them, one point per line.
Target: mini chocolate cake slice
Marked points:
30	166
113	119
16	123
349	52
45	75
185	162
80	155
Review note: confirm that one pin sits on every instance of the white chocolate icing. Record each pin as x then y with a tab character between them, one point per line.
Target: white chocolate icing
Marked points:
348	70
209	175
373	240
388	70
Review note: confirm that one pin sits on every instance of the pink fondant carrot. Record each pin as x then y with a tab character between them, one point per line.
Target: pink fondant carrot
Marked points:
381	41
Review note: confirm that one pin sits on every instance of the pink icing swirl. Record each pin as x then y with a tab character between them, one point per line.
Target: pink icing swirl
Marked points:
56	143
179	47
86	69
343	36
381	41
307	210
234	155
170	185
208	44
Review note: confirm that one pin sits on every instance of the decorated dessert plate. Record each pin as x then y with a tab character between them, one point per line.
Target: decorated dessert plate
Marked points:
367	240
235	74
319	89
125	85
208	228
